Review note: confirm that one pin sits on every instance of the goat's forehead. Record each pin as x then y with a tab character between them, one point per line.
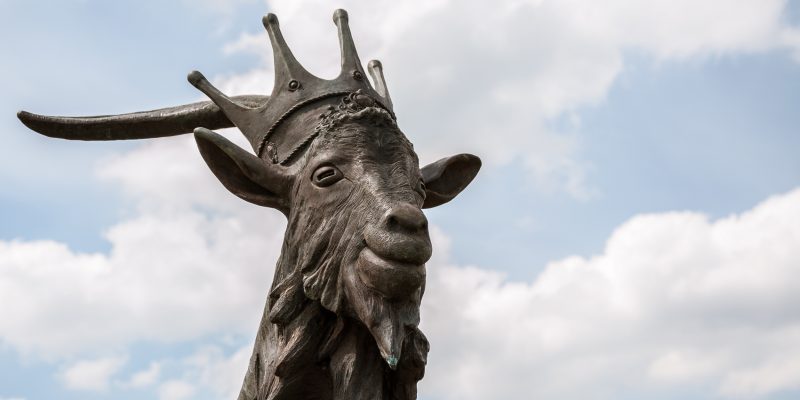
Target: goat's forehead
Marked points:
366	143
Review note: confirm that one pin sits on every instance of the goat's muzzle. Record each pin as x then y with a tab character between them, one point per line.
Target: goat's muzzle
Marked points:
393	260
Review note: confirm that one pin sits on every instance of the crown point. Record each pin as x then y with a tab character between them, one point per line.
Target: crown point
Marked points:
270	20
338	15
376	71
195	77
201	131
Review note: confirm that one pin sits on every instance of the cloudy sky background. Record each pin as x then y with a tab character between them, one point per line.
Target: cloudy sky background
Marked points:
635	231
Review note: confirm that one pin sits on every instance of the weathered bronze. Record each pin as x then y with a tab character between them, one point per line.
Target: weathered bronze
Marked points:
342	314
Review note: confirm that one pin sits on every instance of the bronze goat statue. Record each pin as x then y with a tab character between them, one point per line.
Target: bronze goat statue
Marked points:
341	320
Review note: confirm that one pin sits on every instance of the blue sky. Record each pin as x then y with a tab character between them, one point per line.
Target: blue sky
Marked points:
653	147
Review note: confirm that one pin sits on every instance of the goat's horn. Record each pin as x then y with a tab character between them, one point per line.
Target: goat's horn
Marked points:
139	125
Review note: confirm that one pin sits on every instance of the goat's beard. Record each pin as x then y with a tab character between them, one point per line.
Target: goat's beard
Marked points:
322	309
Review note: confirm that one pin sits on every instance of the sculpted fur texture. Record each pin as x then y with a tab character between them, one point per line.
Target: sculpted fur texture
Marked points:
328	299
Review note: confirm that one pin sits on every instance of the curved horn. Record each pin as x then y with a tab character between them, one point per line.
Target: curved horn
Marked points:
139	125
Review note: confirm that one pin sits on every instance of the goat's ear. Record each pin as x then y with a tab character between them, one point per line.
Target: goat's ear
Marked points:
244	174
446	178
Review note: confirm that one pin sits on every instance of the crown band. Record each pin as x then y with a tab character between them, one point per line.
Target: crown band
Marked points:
262	145
289	112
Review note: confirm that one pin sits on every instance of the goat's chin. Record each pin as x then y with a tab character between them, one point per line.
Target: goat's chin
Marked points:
387	319
393	279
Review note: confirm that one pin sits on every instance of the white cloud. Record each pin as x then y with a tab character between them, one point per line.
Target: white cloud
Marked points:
175	390
675	300
145	377
93	375
222	374
491	78
191	251
780	373
208	370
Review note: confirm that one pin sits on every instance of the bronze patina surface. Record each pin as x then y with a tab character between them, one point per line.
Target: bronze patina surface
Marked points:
341	319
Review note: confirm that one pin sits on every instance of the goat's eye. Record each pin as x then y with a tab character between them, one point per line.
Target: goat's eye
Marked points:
421	188
326	175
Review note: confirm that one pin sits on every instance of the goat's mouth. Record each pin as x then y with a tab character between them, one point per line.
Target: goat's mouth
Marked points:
391	278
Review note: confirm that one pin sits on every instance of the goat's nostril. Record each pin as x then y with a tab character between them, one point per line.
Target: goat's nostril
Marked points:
405	216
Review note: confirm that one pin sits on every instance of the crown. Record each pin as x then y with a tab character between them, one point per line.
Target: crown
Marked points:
295	89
